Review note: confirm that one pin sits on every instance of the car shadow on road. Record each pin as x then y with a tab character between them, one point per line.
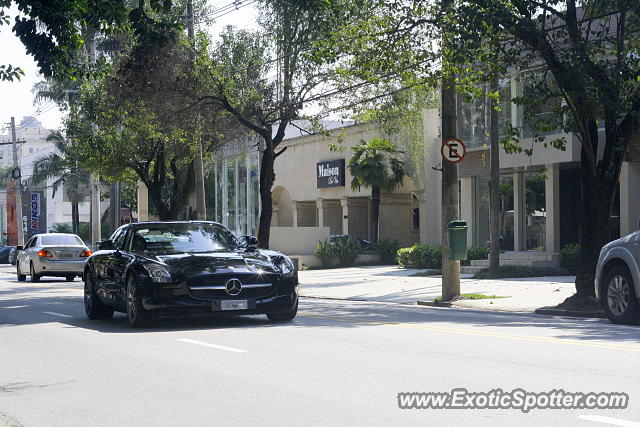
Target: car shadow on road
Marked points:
327	314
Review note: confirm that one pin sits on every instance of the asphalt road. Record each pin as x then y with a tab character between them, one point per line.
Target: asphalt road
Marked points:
337	363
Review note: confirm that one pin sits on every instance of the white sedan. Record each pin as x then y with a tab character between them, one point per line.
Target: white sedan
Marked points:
52	254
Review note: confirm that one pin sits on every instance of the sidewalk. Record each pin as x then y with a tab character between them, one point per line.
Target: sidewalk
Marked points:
395	284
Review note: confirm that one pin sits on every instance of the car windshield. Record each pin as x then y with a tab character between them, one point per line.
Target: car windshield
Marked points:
61	240
192	237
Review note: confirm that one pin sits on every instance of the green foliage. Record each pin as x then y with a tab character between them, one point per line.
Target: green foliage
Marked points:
375	164
514	271
346	251
570	258
325	253
387	250
421	256
476	252
61	227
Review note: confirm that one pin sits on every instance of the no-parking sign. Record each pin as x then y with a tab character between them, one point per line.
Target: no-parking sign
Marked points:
453	150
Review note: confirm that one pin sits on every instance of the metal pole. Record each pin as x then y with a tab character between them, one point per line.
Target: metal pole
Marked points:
450	184
18	186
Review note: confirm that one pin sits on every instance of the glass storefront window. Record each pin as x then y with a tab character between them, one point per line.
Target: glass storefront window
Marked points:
254	182
506	213
241	219
535	210
481	223
231	195
219	191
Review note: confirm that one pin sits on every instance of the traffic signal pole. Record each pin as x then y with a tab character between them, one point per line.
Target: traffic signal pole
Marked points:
18	186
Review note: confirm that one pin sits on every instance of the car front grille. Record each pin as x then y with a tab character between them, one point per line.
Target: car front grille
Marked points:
214	286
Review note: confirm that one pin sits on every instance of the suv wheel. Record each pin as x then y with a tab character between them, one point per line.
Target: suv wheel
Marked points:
136	314
620	302
284	317
94	308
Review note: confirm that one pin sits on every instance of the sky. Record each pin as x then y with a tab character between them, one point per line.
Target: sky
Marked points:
16	98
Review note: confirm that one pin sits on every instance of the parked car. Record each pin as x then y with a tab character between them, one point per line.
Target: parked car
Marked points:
618	279
13	254
51	254
364	244
187	268
5	251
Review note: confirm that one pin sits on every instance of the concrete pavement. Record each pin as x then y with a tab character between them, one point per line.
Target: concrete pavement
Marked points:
337	363
396	284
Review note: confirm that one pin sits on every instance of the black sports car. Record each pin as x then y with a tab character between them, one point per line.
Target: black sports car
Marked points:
187	268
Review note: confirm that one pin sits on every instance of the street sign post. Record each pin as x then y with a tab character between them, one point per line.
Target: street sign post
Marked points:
453	150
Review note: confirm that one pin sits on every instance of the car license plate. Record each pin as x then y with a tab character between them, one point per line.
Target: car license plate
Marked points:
236	304
65	254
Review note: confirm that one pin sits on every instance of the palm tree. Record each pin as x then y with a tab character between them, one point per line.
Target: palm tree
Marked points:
375	164
65	170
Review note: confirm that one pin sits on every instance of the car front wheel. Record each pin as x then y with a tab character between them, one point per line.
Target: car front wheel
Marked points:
284	317
136	314
94	308
621	304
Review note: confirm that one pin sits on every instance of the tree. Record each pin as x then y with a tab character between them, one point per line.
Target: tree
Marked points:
586	54
66	171
141	125
375	164
265	94
54	31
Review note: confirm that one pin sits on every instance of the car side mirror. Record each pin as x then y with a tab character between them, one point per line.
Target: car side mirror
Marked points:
250	243
105	245
19	248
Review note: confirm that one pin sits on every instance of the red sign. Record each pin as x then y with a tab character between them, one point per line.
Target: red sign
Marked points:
453	150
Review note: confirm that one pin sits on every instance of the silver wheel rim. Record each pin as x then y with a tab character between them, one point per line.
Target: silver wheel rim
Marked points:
618	295
87	292
131	301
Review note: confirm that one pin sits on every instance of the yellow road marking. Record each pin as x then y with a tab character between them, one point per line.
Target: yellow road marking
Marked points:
460	331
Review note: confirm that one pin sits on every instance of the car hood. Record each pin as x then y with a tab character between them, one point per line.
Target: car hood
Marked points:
217	262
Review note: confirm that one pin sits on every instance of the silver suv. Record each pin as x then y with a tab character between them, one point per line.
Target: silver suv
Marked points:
618	279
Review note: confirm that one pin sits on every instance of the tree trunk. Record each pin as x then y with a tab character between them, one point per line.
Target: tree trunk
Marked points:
598	196
75	217
494	185
267	176
375	213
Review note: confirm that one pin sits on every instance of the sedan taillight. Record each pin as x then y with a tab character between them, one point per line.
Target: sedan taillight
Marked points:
85	254
45	254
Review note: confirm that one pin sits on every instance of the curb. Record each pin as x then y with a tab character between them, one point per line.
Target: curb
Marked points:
435	303
570	313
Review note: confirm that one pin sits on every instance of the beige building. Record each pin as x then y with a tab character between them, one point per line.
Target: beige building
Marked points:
313	189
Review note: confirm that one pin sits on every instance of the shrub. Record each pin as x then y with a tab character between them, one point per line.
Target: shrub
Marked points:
326	253
570	258
346	251
387	250
421	256
476	252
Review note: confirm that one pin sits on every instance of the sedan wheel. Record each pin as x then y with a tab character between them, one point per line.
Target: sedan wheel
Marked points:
621	303
21	277
135	311
94	308
32	272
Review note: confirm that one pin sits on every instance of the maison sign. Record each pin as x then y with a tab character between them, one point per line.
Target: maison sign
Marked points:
330	173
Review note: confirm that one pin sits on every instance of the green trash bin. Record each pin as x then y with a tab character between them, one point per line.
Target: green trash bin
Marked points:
457	240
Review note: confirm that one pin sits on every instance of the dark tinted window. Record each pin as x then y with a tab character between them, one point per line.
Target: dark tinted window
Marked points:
180	237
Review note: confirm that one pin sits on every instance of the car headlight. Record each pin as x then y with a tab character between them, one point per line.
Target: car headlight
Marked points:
157	273
286	266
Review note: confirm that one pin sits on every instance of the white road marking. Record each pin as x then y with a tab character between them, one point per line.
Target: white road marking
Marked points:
17	306
609	420
56	314
206	344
